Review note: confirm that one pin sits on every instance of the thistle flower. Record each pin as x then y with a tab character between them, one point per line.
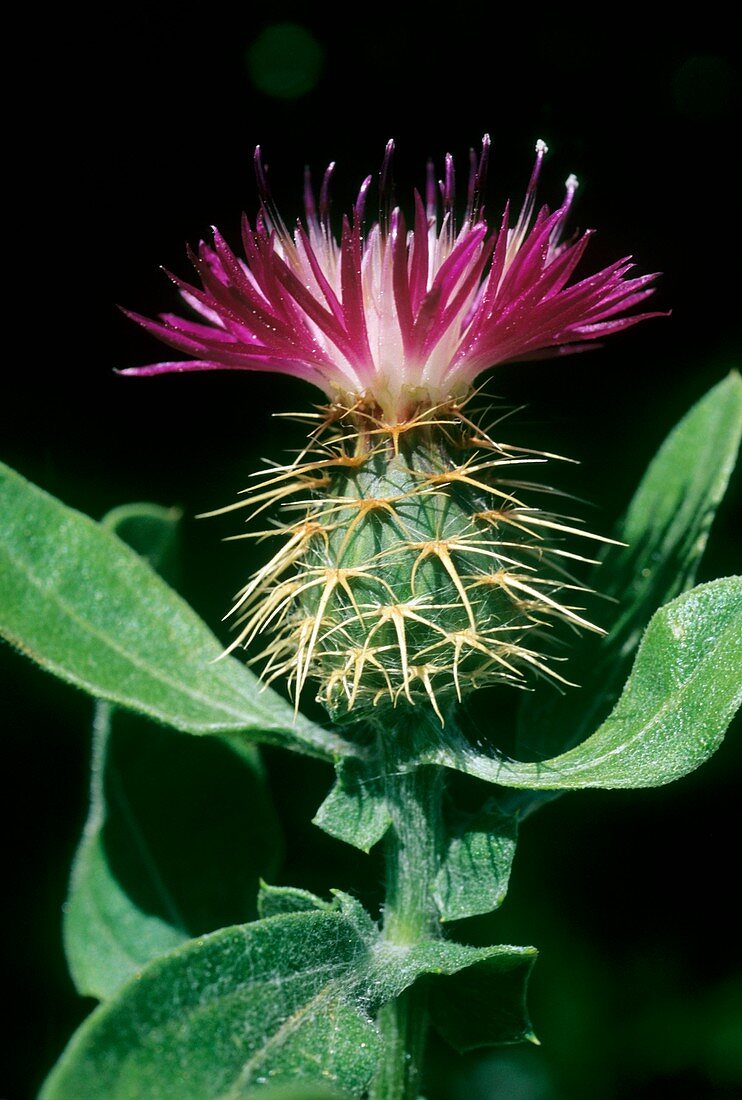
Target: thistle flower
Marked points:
396	318
410	566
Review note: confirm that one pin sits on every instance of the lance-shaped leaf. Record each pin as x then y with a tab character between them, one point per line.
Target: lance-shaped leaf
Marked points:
666	529
146	876
289	999
79	601
683	692
107	936
668	522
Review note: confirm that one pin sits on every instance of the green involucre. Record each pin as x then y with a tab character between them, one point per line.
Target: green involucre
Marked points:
416	566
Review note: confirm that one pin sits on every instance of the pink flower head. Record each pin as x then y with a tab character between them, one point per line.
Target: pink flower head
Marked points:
391	316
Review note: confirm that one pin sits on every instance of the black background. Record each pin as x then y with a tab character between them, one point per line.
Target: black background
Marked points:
130	132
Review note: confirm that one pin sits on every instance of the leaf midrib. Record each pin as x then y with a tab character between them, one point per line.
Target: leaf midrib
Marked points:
529	774
670	704
96	632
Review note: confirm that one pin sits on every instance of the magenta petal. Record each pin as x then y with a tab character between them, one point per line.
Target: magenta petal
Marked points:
401	281
378	315
352	297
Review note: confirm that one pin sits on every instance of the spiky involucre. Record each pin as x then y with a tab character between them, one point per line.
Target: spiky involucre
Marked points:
415	564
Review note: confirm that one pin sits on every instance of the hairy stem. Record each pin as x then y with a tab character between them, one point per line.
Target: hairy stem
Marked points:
413	845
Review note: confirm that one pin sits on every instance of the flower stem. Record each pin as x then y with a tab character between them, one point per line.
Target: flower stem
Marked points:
413	845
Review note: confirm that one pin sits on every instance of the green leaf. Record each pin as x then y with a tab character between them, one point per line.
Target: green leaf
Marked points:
484	1004
145	878
86	607
475	870
666	528
455	972
107	937
682	694
178	834
286	999
277	901
226	1013
668	521
295	1091
150	530
355	810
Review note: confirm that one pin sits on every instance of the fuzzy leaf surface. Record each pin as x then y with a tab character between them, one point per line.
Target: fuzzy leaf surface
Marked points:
288	999
484	1004
683	691
270	1001
277	901
355	811
146	877
666	528
294	1091
475	869
85	606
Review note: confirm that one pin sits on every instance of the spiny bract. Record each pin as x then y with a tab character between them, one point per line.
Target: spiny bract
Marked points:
415	563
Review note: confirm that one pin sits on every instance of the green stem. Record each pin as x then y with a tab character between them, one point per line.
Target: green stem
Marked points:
410	915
